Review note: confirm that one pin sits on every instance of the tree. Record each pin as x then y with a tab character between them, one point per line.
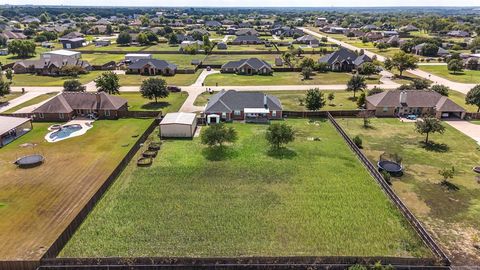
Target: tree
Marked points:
356	83
109	29
361	100
441	89
382	46
4	87
447	174
44	18
420	84
73	86
218	134
331	97
9	74
154	88
429	125
402	61
321	67
430	49
307	62
473	97
455	65
124	38
142	38
108	82
368	69
22	48
307	72
314	99
279	134
173	39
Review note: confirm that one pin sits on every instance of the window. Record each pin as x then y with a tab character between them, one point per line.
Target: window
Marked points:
224	115
236	112
40	115
274	113
60	115
385	109
107	113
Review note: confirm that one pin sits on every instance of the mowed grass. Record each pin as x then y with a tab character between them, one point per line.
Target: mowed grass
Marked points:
452	216
177	79
5	99
313	198
282	78
32	101
38	80
291	100
40	202
172	103
466	76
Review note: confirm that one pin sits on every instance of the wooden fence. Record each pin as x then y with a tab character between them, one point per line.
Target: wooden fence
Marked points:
302	262
421	231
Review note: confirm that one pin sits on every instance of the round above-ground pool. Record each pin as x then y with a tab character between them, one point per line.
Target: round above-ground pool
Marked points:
391	167
29	161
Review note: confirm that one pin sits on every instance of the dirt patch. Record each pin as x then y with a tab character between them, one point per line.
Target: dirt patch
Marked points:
404	191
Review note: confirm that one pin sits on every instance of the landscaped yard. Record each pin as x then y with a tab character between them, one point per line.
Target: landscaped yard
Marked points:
452	216
38	203
177	79
314	198
467	76
38	80
172	103
291	100
282	78
31	102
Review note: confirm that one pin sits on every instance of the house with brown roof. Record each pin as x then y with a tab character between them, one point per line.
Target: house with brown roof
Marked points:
418	102
67	106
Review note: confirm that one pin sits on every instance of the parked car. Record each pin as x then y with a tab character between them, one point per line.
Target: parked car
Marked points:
411	117
174	88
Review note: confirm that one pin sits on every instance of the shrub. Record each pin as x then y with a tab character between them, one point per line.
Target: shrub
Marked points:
358	141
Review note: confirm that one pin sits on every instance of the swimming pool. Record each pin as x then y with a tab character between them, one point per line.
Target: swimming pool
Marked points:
64	132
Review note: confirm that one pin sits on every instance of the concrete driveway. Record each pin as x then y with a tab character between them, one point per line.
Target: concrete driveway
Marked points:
467	128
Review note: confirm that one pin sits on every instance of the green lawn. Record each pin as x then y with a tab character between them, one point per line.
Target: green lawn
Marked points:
112	47
31	102
39	203
291	100
459	98
9	97
178	79
314	198
172	103
282	78
453	216
181	60
467	76
38	80
101	58
259	47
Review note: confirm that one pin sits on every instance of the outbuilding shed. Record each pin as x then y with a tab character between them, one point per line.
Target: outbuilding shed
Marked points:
12	128
178	125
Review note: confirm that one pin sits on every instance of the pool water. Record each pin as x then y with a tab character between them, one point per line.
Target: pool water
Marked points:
65	131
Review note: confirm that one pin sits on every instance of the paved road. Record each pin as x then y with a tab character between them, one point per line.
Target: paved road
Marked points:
460	87
467	128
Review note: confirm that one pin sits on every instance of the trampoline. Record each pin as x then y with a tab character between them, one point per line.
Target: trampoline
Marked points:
391	167
476	169
30	161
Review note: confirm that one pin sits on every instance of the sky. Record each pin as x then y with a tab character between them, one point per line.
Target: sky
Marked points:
248	3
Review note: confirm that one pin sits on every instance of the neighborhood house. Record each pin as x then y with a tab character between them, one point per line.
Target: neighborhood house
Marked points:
67	106
344	60
418	102
249	66
52	63
152	67
247	106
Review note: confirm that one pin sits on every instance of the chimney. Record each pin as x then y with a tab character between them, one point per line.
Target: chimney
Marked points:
403	97
265	101
99	100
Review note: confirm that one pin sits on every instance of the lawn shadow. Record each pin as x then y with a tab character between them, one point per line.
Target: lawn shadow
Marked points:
155	105
435	147
218	153
282	153
449	185
352	98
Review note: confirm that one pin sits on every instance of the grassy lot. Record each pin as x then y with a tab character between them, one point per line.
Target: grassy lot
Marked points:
10	58
112	47
313	198
37	80
291	100
282	78
39	203
172	103
467	76
459	98
178	79
453	216
9	97
102	58
32	101
259	47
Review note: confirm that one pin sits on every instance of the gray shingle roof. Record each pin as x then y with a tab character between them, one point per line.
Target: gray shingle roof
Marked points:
231	100
253	62
68	102
157	63
415	98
